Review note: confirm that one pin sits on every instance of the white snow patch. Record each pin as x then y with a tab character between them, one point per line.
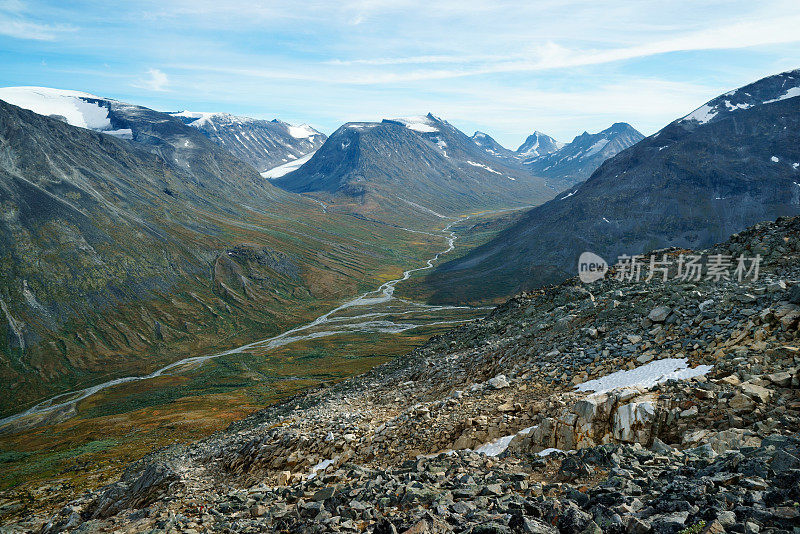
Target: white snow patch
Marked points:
645	376
304	131
569	195
200	117
324	464
286	168
775	159
418	124
548	452
71	105
474	164
496	447
595	148
790	93
733	107
795	165
703	114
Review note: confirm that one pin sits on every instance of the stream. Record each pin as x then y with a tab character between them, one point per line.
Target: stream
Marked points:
377	311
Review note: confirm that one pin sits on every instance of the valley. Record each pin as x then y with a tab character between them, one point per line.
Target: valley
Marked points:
79	440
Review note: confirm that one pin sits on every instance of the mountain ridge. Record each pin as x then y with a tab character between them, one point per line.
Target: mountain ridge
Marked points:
575	161
688	185
264	144
415	160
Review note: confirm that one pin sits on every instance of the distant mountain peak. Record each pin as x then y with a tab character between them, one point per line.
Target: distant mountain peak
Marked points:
576	161
422	159
538	144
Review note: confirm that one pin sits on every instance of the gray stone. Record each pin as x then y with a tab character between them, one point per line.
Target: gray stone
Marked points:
783	461
499	382
659	314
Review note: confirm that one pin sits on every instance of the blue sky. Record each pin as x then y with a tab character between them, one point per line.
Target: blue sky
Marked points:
503	67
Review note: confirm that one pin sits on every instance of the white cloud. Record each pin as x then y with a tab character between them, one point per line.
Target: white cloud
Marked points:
15	23
550	55
156	81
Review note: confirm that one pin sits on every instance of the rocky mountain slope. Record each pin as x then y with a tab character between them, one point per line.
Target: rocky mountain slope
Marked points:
538	144
413	162
576	161
665	407
691	184
261	143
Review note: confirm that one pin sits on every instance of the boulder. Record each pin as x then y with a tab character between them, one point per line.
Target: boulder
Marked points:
632	422
659	314
499	382
756	392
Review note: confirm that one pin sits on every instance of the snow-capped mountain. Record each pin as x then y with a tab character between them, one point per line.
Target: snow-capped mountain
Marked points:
576	161
76	108
731	163
264	144
420	161
157	132
538	144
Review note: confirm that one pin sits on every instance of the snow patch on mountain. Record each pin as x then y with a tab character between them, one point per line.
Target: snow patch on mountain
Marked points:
595	148
419	124
304	131
475	164
703	114
286	168
645	376
75	107
790	93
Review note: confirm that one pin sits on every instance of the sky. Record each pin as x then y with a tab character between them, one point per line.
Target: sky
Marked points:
503	67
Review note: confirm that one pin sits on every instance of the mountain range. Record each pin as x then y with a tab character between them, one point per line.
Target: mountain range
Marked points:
128	232
576	161
417	161
261	143
729	164
563	164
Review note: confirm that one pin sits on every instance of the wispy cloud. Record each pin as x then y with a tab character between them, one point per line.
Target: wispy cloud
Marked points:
156	80
550	55
16	22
